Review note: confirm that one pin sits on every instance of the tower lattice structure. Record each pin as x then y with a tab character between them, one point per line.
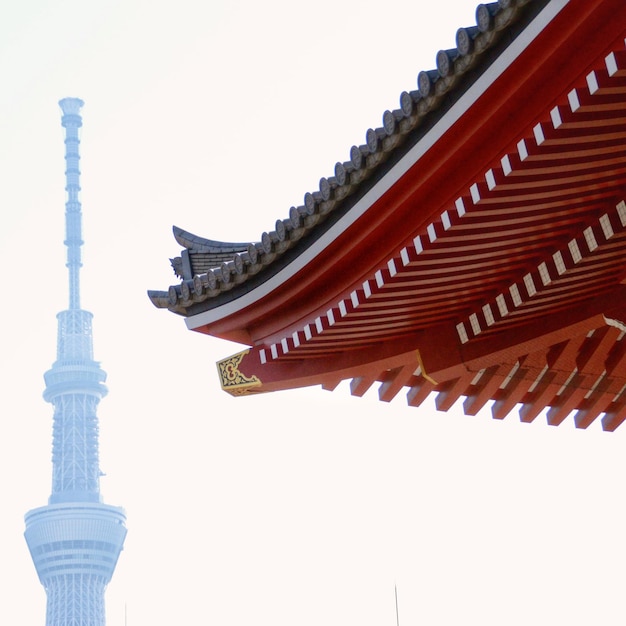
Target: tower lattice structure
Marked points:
75	540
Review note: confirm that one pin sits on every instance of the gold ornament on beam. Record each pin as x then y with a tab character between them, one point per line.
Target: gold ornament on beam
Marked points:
232	380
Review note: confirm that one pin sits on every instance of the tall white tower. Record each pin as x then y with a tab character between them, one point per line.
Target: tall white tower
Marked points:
75	540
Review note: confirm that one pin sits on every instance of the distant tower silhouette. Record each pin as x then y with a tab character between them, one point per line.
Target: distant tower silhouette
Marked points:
75	540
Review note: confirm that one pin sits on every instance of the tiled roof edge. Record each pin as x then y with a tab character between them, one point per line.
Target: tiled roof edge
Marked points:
349	177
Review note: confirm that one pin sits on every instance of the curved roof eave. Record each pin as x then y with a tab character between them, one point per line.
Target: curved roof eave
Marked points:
225	306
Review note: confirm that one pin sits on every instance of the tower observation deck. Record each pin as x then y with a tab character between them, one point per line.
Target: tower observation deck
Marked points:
75	540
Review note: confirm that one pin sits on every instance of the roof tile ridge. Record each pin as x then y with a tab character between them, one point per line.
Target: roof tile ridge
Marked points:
433	87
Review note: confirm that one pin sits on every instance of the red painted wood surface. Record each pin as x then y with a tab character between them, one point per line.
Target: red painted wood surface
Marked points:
492	269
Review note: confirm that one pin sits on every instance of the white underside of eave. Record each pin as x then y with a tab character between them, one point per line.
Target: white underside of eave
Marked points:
411	158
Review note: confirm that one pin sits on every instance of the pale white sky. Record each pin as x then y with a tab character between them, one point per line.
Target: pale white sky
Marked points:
299	508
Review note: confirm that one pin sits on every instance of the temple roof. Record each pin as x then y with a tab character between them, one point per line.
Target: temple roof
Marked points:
473	247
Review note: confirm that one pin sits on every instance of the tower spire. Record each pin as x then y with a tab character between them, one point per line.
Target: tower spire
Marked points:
75	540
72	122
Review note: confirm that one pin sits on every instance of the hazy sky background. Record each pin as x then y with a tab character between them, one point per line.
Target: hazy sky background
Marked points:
297	508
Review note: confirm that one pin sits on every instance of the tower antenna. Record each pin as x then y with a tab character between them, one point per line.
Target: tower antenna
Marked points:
395	587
